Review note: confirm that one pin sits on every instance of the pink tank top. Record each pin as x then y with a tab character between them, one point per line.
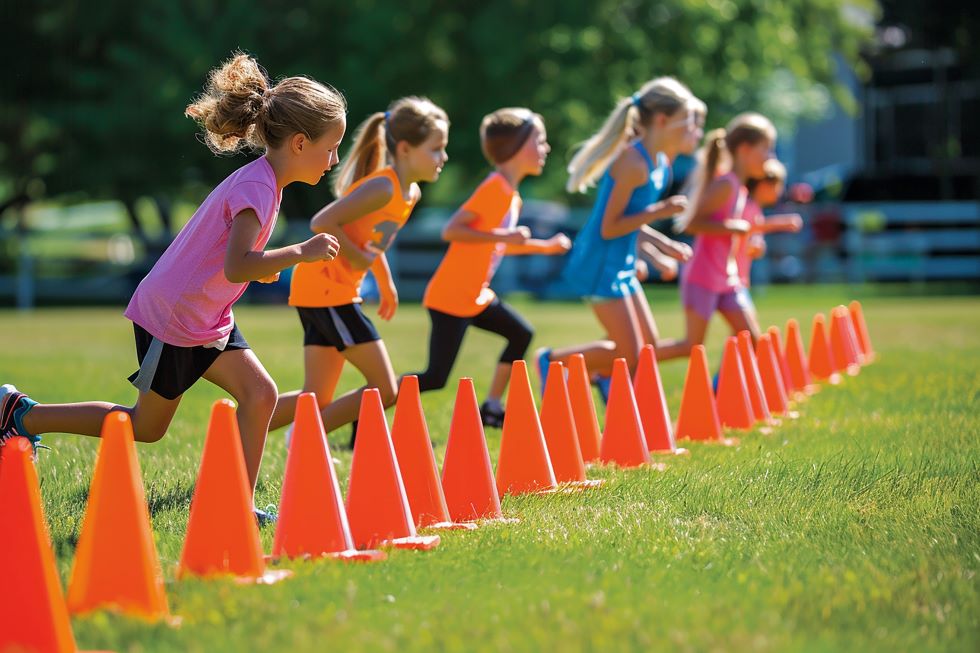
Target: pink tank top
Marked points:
713	264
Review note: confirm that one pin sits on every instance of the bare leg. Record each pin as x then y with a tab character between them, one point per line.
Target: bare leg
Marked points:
619	320
240	373
697	327
371	359
644	316
151	416
322	367
498	384
742	321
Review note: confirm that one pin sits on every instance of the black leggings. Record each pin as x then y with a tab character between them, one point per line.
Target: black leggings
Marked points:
447	334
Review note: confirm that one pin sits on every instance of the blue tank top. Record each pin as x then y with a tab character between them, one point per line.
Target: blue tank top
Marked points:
596	263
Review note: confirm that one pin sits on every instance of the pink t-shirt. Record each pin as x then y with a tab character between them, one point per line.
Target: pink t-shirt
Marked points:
712	264
752	213
186	300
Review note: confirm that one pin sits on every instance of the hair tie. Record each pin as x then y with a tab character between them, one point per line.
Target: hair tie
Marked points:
387	117
637	100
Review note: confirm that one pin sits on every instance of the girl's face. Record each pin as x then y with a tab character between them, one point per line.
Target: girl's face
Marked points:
314	158
681	130
753	157
695	132
534	152
425	160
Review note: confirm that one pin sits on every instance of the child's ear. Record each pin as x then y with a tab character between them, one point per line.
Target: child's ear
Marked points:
402	148
297	142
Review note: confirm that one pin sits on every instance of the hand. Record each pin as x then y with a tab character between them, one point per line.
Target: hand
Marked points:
670	206
642	270
667	268
321	247
272	278
677	250
365	257
794	224
559	244
756	247
518	236
738	226
389	303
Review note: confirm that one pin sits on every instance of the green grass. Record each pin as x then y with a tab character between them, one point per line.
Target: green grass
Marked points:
856	527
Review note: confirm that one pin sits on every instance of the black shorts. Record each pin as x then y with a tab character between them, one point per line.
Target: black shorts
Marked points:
180	367
336	326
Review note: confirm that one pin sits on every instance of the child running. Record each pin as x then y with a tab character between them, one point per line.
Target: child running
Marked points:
763	193
181	311
634	175
480	233
377	189
710	281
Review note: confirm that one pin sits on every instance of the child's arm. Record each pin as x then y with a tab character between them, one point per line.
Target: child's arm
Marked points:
244	263
458	230
756	247
386	287
666	265
557	244
630	172
714	198
673	248
366	198
787	222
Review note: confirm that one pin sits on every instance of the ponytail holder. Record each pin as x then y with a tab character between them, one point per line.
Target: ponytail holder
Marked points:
637	100
387	117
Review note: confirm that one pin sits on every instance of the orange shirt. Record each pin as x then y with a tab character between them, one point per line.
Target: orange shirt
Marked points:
335	283
461	284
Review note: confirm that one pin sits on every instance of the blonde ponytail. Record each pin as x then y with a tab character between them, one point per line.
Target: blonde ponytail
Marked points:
661	95
410	119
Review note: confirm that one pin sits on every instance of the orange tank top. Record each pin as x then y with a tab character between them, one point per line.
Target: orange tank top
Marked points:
461	284
335	283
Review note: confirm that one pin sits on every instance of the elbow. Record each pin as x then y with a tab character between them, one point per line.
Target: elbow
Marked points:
608	234
235	275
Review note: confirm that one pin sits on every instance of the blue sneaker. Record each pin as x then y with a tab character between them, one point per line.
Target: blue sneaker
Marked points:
714	382
14	406
267	516
543	358
603	382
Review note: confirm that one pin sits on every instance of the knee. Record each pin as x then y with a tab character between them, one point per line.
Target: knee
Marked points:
260	396
523	337
388	394
433	381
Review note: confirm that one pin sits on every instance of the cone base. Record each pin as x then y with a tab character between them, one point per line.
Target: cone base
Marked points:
853	370
679	451
833	379
727	442
353	555
573	487
534	490
450	526
416	543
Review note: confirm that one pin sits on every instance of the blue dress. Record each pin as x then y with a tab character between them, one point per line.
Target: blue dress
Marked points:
601	269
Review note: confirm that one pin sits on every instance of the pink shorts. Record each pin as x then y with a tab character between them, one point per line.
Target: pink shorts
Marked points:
705	302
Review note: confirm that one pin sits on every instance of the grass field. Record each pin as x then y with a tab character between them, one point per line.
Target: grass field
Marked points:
854	528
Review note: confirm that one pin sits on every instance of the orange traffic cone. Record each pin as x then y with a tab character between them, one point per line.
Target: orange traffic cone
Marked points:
583	408
698	416
854	352
558	426
772	379
861	329
417	461
734	407
799	371
652	404
524	464
35	617
312	521
820	362
623	441
777	348
467	476
377	507
845	359
116	564
222	536
753	381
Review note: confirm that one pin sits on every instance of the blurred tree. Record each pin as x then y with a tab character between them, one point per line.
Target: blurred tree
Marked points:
93	107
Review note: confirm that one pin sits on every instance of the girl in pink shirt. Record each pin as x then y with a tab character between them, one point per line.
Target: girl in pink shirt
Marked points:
181	311
710	281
